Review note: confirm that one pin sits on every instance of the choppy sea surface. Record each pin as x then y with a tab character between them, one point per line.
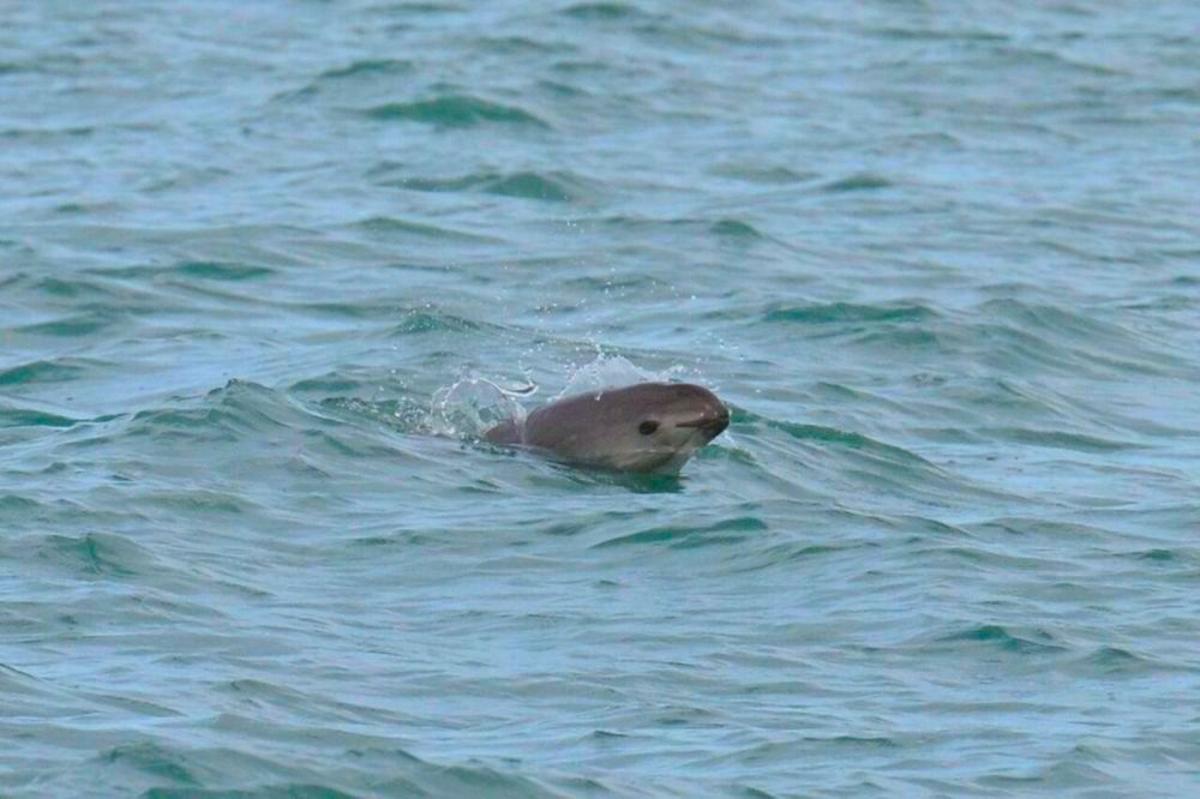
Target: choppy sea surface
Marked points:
941	258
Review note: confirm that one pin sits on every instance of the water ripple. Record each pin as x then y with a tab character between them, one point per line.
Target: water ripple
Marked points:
941	266
455	111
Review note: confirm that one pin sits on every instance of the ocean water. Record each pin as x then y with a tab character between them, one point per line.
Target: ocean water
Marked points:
259	261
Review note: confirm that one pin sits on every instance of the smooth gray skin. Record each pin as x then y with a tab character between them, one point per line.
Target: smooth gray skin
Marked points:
605	428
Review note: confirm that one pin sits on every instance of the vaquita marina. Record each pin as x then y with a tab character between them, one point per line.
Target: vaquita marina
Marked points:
599	400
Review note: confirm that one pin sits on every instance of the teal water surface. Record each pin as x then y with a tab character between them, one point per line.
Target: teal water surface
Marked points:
942	259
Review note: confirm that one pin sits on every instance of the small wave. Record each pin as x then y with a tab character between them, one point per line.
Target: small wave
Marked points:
56	371
1047	62
604	11
786	555
1009	335
864	741
1157	555
156	761
842	458
522	45
1056	336
416	321
1056	439
370	75
735	229
13	280
22	417
222	270
456	111
391	227
726	531
226	414
14	507
562	90
74	326
74	288
861	182
333	382
99	554
850	440
929	34
1114	660
367	67
416	8
553	187
167	771
1036	642
44	134
768	175
206	502
849	313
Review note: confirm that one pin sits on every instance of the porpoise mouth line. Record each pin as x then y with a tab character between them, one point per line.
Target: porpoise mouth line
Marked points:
718	423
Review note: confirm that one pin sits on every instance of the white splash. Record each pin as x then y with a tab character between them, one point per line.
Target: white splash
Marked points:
470	406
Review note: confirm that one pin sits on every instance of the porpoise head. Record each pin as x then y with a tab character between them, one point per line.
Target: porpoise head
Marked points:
648	427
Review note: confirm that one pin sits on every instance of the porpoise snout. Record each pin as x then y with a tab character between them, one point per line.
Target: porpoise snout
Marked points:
713	422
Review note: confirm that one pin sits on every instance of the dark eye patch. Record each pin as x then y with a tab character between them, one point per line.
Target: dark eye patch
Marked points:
647	427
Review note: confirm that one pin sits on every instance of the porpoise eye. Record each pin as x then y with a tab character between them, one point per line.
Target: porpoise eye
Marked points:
647	427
